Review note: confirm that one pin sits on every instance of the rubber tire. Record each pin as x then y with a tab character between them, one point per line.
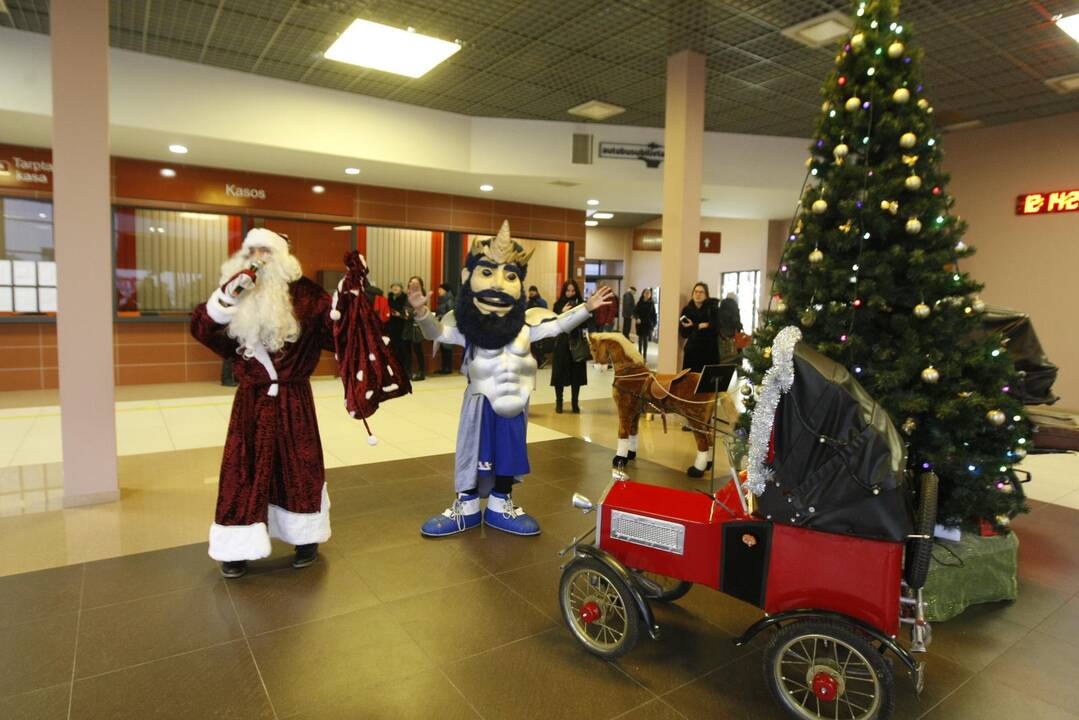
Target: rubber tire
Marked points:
633	618
920	550
841	631
676	592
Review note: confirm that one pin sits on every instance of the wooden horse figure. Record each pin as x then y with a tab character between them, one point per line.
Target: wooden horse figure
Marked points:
636	388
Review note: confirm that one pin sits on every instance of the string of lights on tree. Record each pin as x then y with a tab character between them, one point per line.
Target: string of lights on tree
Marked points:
870	272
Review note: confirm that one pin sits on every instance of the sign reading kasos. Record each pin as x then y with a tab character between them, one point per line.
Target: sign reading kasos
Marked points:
1056	201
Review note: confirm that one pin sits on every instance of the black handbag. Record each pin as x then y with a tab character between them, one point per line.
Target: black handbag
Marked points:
578	348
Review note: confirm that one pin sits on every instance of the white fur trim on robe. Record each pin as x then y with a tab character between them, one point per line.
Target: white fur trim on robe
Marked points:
229	543
301	528
220	308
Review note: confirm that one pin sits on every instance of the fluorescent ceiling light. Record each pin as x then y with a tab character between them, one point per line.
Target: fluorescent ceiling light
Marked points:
178	149
352	171
821	30
593	202
168	172
596	110
1064	83
487	188
342	228
966	125
591	223
381	47
603	215
318	189
42	215
1070	25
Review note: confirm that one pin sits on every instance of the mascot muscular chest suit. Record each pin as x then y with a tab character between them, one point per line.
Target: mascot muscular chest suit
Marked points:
490	322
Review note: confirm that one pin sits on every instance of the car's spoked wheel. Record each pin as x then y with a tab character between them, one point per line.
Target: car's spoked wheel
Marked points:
824	670
599	608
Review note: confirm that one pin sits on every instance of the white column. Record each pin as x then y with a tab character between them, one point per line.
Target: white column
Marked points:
683	139
83	236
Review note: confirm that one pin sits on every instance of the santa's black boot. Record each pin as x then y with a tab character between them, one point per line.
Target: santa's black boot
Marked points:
305	555
233	568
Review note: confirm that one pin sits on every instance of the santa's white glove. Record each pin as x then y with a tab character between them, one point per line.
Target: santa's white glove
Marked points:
238	284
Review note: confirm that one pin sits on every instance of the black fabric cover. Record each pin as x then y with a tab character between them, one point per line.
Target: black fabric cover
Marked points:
1034	386
853	481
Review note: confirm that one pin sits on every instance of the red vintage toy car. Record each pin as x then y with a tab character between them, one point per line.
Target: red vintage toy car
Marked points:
836	595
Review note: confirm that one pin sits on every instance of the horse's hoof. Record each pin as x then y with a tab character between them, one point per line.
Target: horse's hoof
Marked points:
618	462
693	472
632	455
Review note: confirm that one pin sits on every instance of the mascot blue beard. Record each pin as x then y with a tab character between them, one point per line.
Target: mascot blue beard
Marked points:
489	330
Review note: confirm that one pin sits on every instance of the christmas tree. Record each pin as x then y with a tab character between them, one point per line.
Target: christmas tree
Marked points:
871	274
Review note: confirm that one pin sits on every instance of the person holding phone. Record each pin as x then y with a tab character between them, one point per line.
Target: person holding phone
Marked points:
699	325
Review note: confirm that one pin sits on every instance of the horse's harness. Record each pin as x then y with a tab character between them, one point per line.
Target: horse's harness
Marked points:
652	391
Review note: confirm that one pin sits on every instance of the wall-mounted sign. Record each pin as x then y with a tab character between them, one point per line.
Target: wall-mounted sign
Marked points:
1056	201
651	154
709	242
25	168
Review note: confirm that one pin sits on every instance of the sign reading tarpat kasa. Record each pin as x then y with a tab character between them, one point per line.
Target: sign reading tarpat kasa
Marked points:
1057	201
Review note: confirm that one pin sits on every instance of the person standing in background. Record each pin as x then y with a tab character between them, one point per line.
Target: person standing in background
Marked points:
605	318
412	336
629	304
645	312
565	368
541	348
535	299
730	324
699	325
398	303
446	302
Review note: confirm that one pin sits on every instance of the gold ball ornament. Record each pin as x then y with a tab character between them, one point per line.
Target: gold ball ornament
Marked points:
930	375
995	417
909	425
841	150
816	256
853	103
921	311
746	390
901	96
895	50
857	42
809	316
913	182
767	354
907	140
780	307
923	103
914	226
820	206
826	106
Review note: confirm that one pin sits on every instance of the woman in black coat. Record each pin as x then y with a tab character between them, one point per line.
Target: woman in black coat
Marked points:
564	369
699	325
645	312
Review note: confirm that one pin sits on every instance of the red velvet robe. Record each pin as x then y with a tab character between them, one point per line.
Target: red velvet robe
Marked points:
272	470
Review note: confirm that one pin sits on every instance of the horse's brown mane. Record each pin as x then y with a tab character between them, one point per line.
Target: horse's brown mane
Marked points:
631	353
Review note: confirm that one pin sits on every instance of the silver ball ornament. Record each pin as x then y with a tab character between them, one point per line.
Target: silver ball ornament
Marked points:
901	96
895	50
914	226
816	256
930	375
978	305
820	206
921	311
853	103
995	417
1020	453
913	182
907	140
960	246
841	150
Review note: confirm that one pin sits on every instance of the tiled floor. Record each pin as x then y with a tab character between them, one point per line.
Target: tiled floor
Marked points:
390	625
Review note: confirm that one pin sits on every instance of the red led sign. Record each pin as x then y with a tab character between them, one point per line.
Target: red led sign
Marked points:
1057	201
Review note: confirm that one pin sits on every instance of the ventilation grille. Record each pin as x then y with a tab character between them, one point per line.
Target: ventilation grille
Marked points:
647	531
582	148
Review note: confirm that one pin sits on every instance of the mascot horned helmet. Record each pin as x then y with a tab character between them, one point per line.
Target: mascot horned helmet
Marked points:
494	272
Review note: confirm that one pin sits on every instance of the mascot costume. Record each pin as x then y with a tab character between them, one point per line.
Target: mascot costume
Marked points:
490	321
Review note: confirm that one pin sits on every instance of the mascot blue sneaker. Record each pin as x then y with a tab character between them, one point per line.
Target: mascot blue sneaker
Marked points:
463	514
502	514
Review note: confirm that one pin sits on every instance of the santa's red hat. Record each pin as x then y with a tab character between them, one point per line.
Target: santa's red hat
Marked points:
261	237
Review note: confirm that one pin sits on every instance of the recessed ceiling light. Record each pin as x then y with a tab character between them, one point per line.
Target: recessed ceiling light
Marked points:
390	49
487	188
596	110
178	149
593	201
168	172
591	223
1069	25
352	171
603	215
42	215
318	189
821	30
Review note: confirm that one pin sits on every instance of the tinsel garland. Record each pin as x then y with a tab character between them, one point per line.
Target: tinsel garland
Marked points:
777	381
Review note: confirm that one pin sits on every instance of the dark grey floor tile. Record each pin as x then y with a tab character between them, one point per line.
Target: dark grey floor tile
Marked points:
394	471
46	704
539	585
976	637
405	495
399	572
36	595
1035	603
384	528
151	573
982	699
548	677
36	654
736	691
727	612
217	682
942	678
498	552
275	600
540	499
318	663
1064	622
655	710
340	478
124	634
467	619
427	695
1041	666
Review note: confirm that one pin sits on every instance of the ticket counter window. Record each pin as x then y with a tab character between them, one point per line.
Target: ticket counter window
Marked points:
27	261
167	262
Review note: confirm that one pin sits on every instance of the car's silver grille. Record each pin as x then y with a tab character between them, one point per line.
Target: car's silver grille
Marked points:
648	531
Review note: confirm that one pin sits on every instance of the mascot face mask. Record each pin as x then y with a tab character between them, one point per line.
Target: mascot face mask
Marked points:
490	307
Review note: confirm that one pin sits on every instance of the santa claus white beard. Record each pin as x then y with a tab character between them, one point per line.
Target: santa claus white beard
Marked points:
264	313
